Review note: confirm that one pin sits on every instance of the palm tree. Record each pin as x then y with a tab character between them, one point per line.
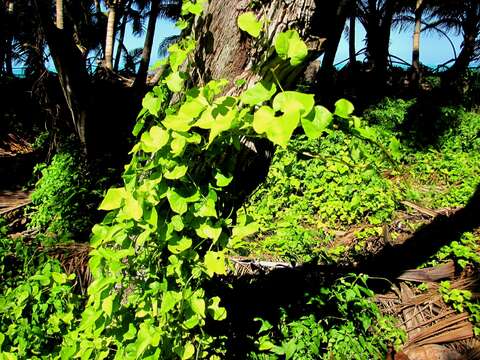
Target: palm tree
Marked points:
377	17
110	36
464	19
419	7
126	16
351	34
59	13
342	9
170	9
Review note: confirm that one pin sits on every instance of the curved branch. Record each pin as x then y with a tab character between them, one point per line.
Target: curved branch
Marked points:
436	28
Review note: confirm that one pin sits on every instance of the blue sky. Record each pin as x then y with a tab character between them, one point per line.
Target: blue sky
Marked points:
434	49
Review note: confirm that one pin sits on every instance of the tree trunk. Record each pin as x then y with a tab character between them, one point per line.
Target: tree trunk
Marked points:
352	58
9	40
110	39
71	71
225	52
141	78
100	15
121	37
416	43
59	14
470	27
378	26
333	39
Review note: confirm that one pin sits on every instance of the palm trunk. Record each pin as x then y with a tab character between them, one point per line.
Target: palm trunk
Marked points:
9	40
59	14
100	15
470	33
110	39
121	37
334	37
416	42
8	57
352	59
140	79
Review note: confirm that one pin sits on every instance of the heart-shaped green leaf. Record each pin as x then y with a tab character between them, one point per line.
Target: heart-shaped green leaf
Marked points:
289	45
174	81
176	245
215	263
113	199
260	92
316	122
248	22
294	101
343	108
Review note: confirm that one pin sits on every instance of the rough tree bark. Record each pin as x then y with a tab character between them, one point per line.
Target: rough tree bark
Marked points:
9	38
377	18
225	52
121	36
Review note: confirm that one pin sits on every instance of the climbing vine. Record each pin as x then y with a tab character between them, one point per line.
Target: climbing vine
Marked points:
168	228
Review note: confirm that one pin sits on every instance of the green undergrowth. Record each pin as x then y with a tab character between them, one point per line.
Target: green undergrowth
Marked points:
65	198
317	187
38	304
343	322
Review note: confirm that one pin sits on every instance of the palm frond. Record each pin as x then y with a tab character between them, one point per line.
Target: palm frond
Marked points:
166	43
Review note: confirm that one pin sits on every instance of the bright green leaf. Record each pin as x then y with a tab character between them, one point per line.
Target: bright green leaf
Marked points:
152	103
154	140
343	108
206	231
215	263
289	101
169	300
217	312
263	119
260	92
174	81
316	122
289	45
248	22
113	199
177	172
132	208
188	351
223	180
107	304
177	122
177	202
176	245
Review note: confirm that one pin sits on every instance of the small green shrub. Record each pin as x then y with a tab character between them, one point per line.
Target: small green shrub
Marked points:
344	323
389	113
464	252
465	136
35	314
62	200
462	300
